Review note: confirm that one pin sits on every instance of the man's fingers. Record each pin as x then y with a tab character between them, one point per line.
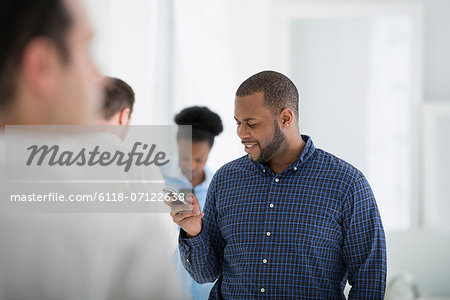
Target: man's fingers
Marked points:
190	198
178	208
181	216
190	220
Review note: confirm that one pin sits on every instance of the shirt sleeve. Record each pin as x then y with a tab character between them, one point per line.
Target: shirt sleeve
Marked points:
364	243
202	255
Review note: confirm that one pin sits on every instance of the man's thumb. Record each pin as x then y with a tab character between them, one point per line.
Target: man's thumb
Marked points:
195	202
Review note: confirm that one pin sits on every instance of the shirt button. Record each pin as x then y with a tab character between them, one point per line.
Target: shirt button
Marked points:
271	205
187	260
295	169
276	179
268	233
264	261
264	170
263	290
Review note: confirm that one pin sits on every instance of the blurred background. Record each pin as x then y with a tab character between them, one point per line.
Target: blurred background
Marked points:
374	82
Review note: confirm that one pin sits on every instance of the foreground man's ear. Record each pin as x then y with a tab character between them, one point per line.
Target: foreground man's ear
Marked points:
286	118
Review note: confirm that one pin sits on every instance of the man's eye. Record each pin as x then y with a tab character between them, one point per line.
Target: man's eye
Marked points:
251	125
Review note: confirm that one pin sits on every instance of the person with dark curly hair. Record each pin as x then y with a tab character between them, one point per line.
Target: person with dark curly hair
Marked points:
194	145
205	126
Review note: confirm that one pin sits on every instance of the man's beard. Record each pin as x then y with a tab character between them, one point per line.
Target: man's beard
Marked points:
269	151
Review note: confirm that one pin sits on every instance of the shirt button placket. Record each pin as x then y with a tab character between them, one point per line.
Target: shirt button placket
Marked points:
268	233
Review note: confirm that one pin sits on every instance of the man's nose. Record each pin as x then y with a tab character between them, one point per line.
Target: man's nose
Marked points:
242	131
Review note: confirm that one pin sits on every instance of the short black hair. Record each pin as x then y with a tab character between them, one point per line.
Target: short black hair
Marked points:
279	91
118	95
21	21
206	125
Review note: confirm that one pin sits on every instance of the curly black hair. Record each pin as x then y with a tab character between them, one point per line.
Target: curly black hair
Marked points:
206	125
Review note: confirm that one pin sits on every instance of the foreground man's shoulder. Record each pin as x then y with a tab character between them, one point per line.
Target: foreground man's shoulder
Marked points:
336	166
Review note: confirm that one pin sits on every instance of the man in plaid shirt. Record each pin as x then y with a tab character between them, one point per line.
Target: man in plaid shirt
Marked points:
287	220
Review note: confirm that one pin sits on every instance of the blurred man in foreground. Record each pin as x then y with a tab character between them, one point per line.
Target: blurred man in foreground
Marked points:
47	78
47	74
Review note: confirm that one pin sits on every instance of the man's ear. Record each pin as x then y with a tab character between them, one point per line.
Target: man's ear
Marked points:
124	116
42	67
286	117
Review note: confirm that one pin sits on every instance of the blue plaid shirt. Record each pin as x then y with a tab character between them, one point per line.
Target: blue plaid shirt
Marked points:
299	234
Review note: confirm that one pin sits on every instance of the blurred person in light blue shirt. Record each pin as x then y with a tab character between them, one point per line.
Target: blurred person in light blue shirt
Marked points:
192	173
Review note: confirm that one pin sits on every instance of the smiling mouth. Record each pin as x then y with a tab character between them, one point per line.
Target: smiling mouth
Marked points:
249	147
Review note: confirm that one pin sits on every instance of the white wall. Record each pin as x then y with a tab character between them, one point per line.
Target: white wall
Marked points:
329	59
424	254
436	50
125	34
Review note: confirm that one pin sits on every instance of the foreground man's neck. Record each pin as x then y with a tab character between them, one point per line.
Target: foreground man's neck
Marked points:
287	155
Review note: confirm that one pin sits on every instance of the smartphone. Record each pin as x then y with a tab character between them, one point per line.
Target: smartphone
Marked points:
177	197
185	193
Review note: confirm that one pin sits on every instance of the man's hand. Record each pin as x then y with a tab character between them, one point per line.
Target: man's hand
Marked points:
190	222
